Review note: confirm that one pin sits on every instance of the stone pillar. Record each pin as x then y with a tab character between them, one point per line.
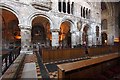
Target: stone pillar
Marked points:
79	11
55	38
66	6
80	37
70	7
90	40
62	6
26	46
73	39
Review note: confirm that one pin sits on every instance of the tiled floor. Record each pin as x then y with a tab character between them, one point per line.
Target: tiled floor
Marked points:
53	75
38	71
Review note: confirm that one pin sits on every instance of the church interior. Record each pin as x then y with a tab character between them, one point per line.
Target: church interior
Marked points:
44	51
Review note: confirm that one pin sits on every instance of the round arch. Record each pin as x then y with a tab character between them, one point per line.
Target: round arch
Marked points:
41	29
104	37
10	29
84	30
11	9
36	14
83	26
70	39
65	34
110	8
71	22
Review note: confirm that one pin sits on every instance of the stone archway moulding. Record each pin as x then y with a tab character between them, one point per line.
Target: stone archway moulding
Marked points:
37	14
11	9
72	27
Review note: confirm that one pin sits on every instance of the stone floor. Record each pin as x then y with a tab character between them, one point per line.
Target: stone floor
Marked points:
48	70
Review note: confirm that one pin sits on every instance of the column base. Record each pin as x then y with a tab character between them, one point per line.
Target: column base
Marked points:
26	52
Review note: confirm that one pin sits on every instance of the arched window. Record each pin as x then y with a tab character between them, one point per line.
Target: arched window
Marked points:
59	5
64	6
97	31
89	13
104	38
85	35
81	11
84	12
72	7
68	7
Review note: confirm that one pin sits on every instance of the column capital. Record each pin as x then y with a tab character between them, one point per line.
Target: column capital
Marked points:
26	27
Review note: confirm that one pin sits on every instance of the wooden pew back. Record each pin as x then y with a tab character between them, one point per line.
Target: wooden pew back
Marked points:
86	68
61	54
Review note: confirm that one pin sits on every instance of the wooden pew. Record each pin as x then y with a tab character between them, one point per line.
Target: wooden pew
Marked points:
93	51
49	55
81	69
114	48
14	68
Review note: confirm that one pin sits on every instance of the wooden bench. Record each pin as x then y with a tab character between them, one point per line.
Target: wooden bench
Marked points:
93	51
14	68
114	48
49	55
74	70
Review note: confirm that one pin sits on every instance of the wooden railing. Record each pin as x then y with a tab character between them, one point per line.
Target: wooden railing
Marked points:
8	56
12	72
49	55
85	68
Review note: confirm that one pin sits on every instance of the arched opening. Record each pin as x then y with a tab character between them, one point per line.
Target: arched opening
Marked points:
89	14
64	6
81	11
65	35
10	31
85	35
97	31
59	5
84	12
97	35
104	38
41	34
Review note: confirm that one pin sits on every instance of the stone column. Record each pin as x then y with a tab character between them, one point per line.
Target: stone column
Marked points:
26	46
90	40
70	7
55	38
62	6
73	39
80	37
79	11
66	6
